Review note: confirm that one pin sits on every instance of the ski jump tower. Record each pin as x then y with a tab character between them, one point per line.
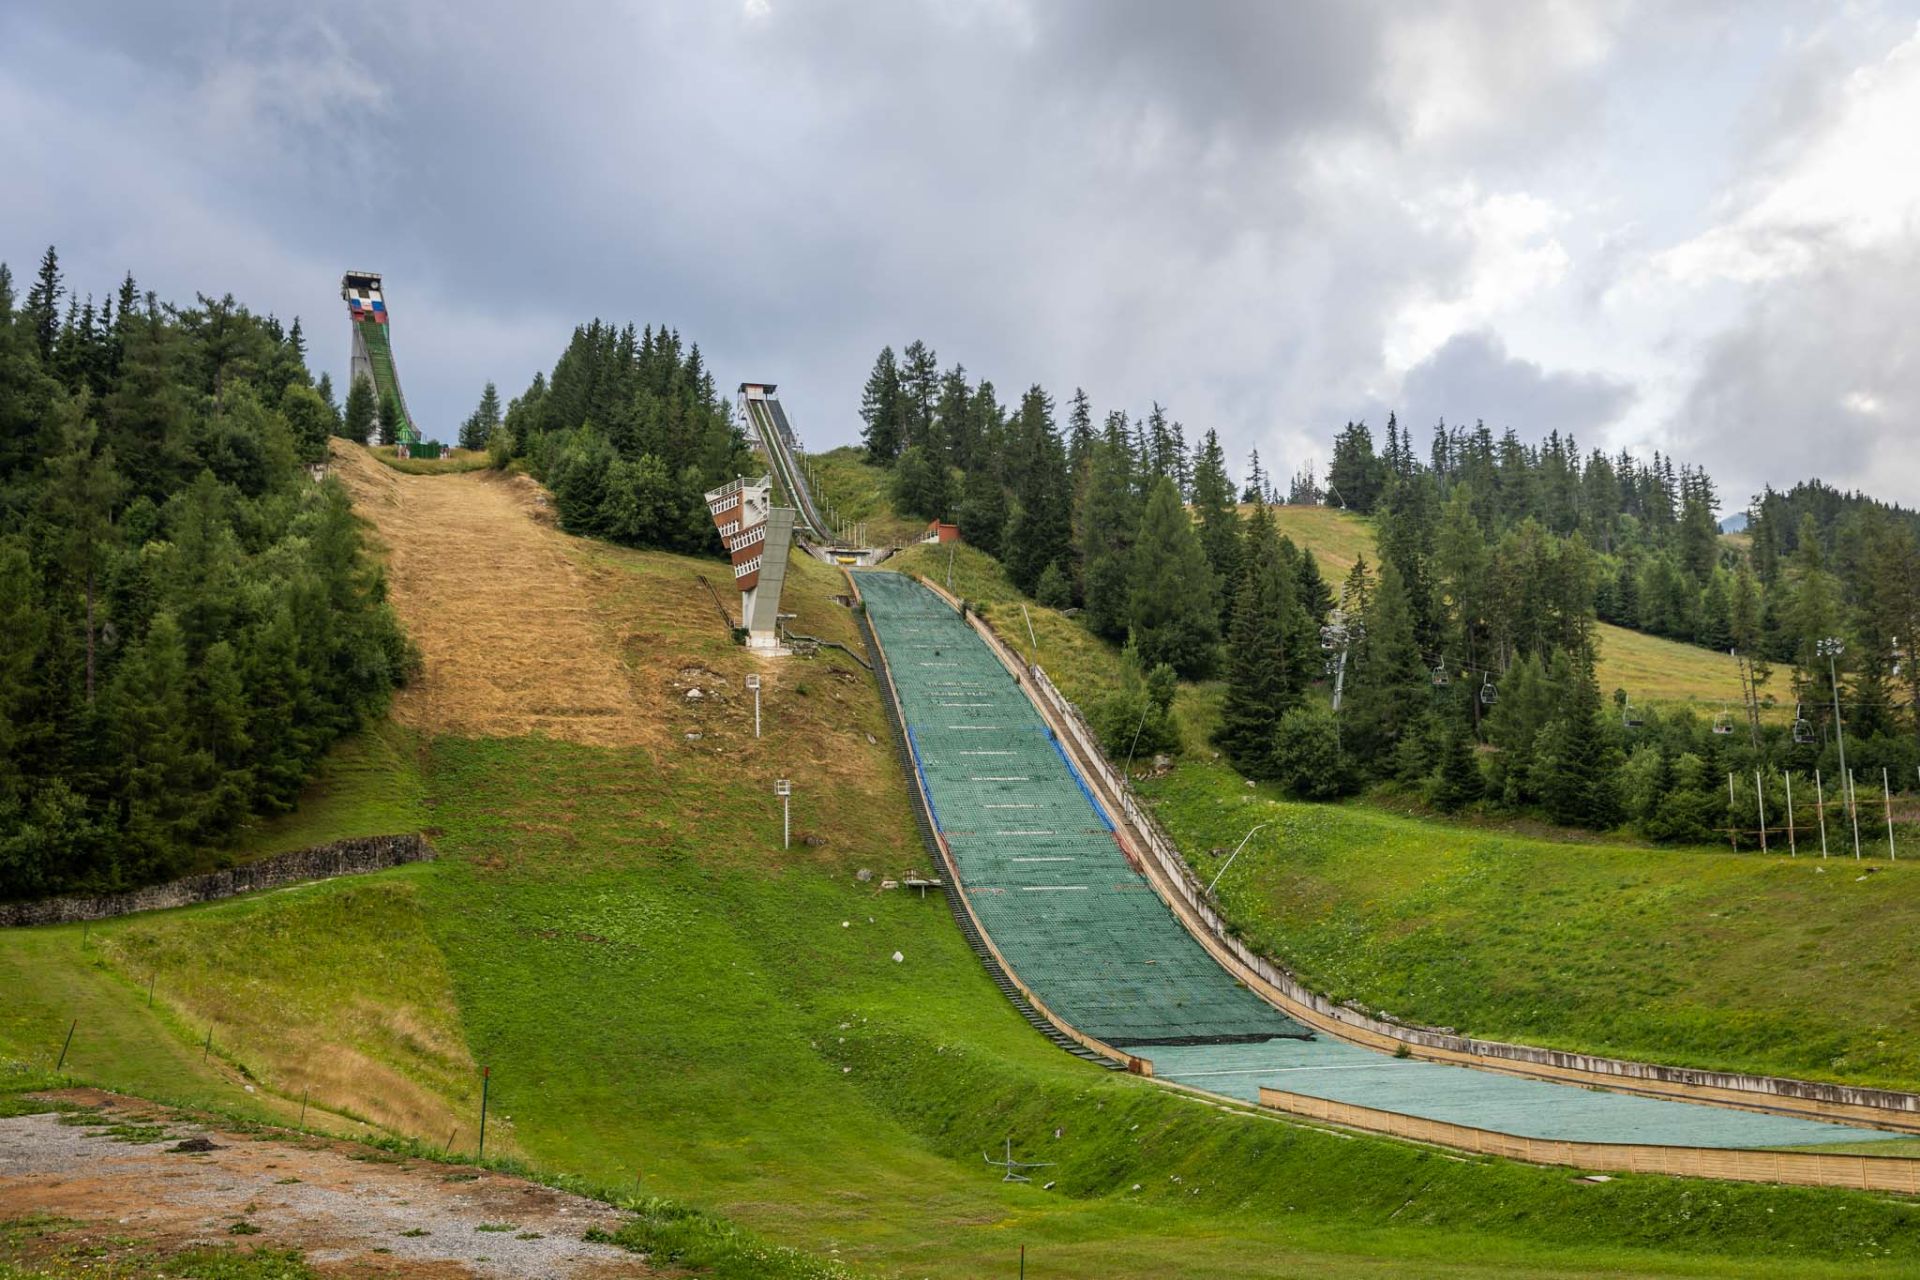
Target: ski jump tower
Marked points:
757	535
373	351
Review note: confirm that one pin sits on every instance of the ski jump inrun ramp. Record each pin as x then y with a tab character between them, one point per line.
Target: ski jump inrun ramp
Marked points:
1042	869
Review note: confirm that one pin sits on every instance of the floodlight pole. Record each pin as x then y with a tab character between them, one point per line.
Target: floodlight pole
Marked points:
1831	648
783	788
1230	857
753	683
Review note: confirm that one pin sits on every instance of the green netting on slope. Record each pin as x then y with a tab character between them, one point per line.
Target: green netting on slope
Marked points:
1040	865
385	383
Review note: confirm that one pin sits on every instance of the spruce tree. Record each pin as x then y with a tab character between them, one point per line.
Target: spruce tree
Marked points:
1262	664
1219	518
1458	783
1580	787
880	407
983	510
1316	597
357	423
1110	520
480	425
42	311
1172	612
1041	530
1389	689
921	483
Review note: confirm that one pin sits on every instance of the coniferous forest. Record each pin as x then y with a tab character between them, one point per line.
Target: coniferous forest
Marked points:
187	619
1470	648
629	432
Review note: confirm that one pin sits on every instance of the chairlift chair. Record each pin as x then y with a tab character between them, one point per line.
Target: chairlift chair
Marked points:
1631	716
1723	721
1487	692
1802	727
1439	675
1327	640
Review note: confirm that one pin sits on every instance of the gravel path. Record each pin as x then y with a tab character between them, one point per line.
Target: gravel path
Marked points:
354	1210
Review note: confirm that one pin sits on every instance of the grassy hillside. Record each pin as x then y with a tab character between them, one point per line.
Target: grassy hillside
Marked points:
1521	932
860	492
1653	671
670	1001
1789	966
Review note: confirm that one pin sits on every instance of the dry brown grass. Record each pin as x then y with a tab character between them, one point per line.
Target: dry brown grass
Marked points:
499	607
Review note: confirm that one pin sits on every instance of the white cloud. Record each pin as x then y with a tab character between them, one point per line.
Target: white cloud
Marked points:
1851	182
1512	254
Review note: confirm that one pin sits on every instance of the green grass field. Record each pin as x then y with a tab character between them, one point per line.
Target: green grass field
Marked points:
670	1002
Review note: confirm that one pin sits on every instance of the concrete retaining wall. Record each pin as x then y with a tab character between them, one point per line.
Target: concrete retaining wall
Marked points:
341	858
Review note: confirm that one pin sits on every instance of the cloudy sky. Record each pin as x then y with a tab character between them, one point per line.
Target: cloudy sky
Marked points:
1685	226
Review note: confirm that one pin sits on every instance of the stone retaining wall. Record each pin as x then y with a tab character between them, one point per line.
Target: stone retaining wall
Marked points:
341	858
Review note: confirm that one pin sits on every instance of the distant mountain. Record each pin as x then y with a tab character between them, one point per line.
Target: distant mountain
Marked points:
1735	523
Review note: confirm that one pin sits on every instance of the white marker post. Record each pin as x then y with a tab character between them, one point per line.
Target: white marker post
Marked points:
783	788
1793	843
753	683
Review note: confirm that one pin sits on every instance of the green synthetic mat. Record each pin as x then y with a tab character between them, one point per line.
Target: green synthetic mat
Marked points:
1037	859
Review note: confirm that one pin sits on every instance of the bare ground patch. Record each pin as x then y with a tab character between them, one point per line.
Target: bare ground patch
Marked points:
108	1183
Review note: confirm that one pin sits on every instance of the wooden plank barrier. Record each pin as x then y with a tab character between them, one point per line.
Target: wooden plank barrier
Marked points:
1798	1168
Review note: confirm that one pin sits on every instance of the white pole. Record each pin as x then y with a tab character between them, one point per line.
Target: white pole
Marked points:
1760	799
1886	794
1031	638
1820	808
1793	843
756	711
1853	809
786	822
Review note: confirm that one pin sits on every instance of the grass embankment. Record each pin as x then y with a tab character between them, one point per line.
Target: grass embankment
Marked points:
451	462
861	493
670	1001
1786	966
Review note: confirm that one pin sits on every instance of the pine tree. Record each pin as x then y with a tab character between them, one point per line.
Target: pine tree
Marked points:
1219	521
481	424
1316	597
1389	688
919	392
1172	612
1458	783
1580	787
357	423
1261	662
921	484
42	312
82	492
880	407
983	510
392	425
1110	520
1040	532
1080	440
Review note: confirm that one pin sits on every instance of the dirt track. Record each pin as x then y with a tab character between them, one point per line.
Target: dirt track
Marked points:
122	1195
499	609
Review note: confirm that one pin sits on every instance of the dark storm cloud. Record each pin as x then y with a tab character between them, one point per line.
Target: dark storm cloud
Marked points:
1227	207
1473	377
